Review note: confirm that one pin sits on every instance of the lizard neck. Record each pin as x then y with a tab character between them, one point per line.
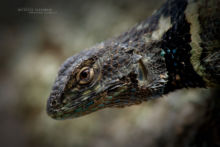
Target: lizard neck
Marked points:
170	49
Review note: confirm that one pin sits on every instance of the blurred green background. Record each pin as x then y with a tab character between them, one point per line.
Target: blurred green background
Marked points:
34	43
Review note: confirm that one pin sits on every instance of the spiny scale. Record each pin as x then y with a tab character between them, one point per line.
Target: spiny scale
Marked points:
177	47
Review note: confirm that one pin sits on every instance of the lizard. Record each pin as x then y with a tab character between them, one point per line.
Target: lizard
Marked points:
177	47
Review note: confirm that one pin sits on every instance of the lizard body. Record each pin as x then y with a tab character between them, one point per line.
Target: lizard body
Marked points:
177	47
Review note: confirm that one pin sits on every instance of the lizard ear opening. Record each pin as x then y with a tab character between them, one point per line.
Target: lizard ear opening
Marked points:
144	76
85	75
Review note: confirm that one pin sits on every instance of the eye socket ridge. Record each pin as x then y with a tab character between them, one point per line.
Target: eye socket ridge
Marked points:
85	75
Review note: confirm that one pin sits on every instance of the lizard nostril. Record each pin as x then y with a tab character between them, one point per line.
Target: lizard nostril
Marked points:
54	103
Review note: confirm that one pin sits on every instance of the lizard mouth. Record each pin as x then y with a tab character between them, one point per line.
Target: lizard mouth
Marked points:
58	113
54	105
67	108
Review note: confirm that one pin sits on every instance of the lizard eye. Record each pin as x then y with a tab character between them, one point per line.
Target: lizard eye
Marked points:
85	75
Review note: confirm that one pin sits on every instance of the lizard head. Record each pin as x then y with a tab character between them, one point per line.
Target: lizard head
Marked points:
104	76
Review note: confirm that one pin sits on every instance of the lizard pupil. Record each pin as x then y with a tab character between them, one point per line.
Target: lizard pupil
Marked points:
84	74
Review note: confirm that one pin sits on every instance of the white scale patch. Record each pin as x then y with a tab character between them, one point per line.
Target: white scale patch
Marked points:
164	25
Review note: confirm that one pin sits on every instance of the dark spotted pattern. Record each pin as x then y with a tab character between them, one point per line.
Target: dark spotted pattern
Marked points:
177	54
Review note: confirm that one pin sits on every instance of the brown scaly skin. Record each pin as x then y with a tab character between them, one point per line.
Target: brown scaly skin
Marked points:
178	47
